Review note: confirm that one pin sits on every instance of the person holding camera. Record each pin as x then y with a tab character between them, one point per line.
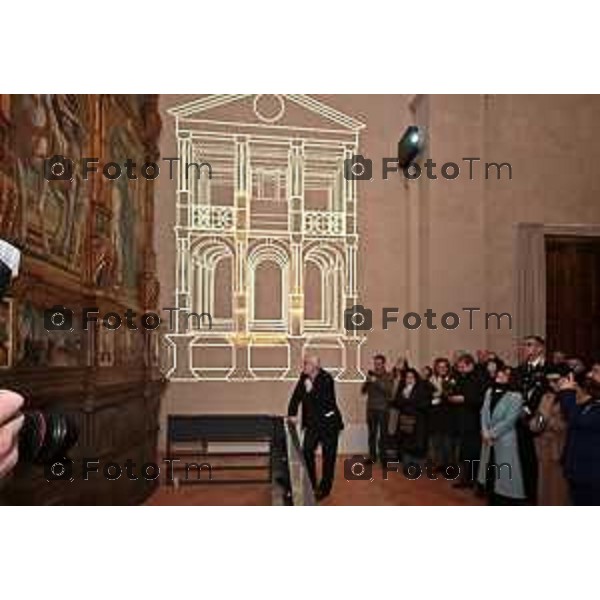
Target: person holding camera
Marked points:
549	427
10	402
378	388
582	449
10	424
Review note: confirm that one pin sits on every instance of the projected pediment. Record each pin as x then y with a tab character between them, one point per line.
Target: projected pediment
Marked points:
288	111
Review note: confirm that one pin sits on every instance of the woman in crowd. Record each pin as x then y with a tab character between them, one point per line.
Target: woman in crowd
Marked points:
439	421
413	400
500	467
492	366
550	427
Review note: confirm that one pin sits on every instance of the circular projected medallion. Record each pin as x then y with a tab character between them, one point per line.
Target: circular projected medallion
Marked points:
269	107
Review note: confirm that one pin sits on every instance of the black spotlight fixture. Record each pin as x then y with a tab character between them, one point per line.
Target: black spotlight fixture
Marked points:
411	145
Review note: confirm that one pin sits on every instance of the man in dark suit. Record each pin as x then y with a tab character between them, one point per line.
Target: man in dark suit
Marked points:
321	421
532	383
531	373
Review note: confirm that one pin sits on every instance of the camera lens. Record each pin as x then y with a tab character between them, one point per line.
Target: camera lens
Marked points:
46	436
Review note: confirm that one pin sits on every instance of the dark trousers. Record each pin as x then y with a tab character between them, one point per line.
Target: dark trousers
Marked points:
583	494
441	449
529	463
377	428
442	446
470	450
328	441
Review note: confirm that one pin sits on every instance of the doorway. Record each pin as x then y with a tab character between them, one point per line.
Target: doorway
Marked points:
573	294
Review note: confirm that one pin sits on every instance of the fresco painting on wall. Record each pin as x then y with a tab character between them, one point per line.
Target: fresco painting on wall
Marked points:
124	211
52	213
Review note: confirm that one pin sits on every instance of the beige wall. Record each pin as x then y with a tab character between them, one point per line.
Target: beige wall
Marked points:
469	230
429	244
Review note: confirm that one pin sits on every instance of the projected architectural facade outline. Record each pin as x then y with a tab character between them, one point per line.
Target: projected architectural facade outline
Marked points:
267	239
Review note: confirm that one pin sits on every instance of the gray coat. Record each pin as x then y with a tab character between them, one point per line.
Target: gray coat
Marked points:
502	423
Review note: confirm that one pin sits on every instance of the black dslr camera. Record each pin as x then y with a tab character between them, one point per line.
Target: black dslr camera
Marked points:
44	436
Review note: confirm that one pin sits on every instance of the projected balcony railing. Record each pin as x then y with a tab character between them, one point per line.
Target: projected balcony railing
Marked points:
213	218
324	223
315	222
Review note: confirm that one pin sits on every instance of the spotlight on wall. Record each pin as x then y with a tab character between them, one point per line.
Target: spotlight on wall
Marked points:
411	145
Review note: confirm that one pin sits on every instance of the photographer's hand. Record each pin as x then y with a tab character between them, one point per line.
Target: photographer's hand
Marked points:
10	405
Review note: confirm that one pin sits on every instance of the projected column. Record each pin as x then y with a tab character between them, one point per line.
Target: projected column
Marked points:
181	338
295	224
242	194
353	339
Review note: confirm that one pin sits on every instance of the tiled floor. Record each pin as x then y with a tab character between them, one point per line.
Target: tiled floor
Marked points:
396	490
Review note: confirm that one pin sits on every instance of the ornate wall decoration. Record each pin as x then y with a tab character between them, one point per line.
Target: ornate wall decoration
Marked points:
125	210
85	243
52	214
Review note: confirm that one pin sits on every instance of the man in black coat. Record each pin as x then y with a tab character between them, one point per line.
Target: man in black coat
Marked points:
467	400
321	421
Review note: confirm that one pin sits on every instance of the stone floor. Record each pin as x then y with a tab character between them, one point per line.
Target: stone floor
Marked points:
396	490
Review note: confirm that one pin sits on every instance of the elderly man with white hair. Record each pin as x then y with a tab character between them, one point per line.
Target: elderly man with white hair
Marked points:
321	421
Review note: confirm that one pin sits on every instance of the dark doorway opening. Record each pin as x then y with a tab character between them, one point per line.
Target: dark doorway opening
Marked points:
573	295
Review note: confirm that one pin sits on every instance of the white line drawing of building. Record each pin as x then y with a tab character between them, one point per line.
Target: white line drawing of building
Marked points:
274	206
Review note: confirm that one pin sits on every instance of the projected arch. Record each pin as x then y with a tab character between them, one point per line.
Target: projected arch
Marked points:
323	289
268	289
212	282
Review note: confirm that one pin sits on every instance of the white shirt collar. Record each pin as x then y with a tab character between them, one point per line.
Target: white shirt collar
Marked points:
538	362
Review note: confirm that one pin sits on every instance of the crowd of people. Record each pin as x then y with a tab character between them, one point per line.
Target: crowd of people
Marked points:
523	435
